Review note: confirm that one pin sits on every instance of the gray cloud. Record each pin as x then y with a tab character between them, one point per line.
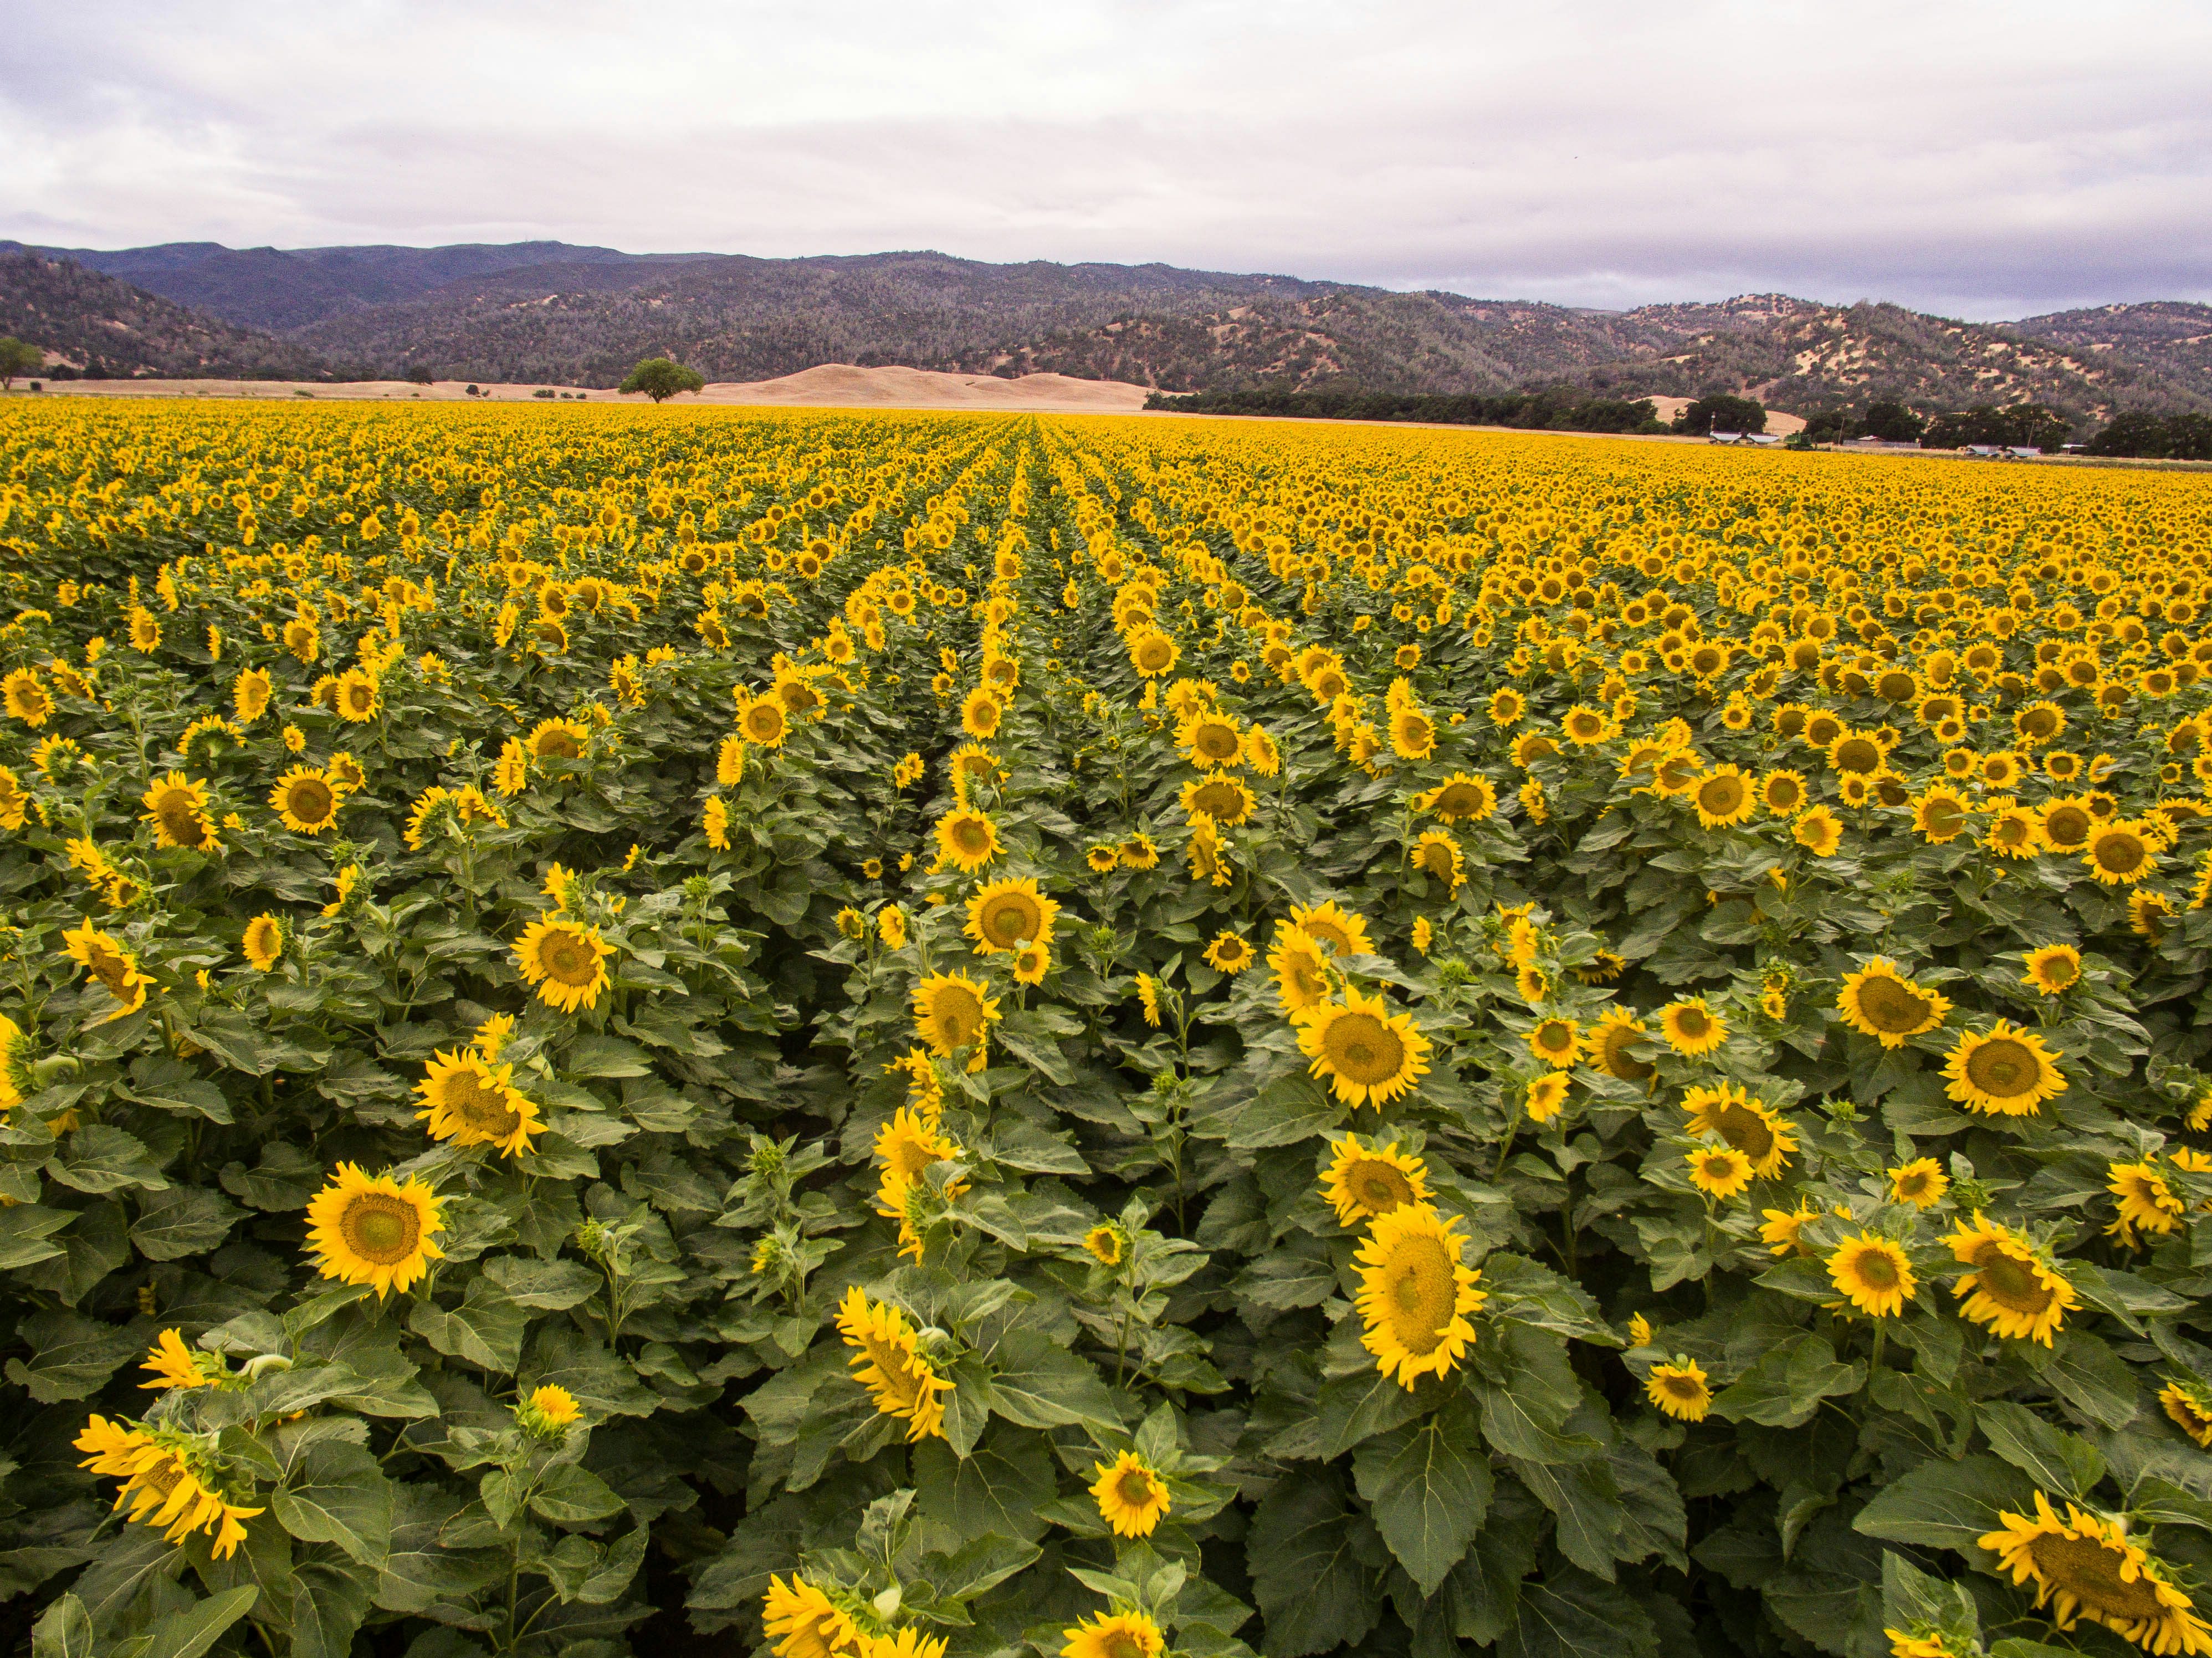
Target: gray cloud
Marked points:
1979	160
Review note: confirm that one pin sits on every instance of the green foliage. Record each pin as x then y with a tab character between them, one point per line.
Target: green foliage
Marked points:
1722	412
632	1389
660	379
2025	424
1558	409
2139	433
17	358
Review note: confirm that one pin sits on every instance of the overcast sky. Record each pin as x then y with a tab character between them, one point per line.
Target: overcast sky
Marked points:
1984	160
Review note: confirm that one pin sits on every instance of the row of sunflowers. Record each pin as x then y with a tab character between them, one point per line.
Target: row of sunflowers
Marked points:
913	1036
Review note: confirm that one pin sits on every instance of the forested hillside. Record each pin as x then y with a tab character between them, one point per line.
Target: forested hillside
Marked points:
555	312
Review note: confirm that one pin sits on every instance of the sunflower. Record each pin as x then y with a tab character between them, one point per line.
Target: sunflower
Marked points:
2188	1403
908	1143
1138	851
1332	925
264	943
115	967
1782	792
1300	969
1675	772
950	1013
1921	1182
1230	953
763	722
2013	1290
1928	1643
2008	1072
2053	969
967	840
1608	1043
306	799
2149	912
1584	726
557	739
15	802
2038	723
1557	1042
1218	796
549	1410
1939	814
1679	1390
1692	1028
1719	1171
27	697
169	1481
1132	1497
805	1623
356	696
1368	1053
892	1365
1882	1003
1546	1097
566	963
1723	798
2087	1567
1437	856
1114	1635
1363	1182
470	1102
14	1061
172	1364
373	1230
1103	859
1780	1229
1746	1124
1531	746
2119	853
979	713
2014	830
2146	1203
1873	1274
2067	822
1853	751
1106	1243
1413	734
1152	653
1415	1294
1031	962
1459	798
1817	831
1006	913
1211	739
177	808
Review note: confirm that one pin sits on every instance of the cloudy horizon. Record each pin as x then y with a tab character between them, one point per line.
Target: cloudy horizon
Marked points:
1984	162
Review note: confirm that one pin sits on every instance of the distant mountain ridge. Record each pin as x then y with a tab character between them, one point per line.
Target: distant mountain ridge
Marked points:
276	289
101	324
556	312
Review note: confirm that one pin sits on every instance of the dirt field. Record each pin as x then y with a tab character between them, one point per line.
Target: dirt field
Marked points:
832	386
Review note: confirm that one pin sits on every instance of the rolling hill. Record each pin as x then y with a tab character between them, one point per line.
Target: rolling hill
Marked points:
100	324
556	312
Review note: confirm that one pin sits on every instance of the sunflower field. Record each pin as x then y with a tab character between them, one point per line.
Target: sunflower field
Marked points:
933	1036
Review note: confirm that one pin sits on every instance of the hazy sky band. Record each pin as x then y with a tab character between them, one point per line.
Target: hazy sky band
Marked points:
1978	160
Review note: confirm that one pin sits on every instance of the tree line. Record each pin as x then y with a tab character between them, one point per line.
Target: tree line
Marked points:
1558	408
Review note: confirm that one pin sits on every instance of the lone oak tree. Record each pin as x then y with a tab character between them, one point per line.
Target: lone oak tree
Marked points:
660	379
